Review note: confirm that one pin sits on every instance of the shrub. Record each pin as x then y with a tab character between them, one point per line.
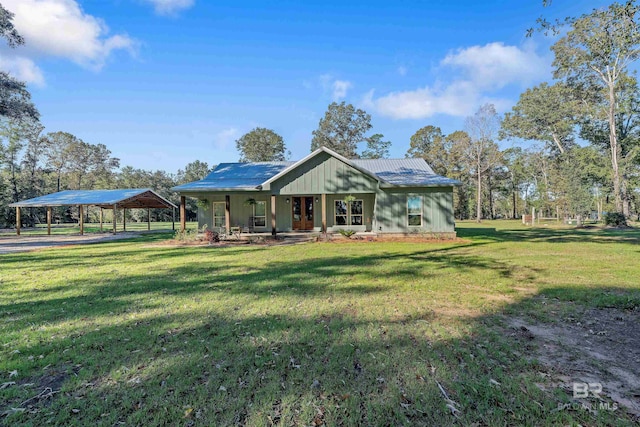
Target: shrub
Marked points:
347	233
211	236
615	219
186	236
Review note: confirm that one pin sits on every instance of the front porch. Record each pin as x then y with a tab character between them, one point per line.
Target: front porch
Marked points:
256	213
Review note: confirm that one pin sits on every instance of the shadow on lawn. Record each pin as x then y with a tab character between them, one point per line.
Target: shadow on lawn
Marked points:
550	235
330	368
221	276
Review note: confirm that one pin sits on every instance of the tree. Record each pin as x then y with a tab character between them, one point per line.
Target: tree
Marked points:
261	145
376	147
15	99
341	129
543	113
596	52
481	151
58	146
7	30
430	144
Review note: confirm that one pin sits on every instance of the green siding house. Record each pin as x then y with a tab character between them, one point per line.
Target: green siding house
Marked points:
325	192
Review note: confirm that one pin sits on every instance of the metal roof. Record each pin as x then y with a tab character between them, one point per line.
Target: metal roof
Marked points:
236	176
123	198
405	172
251	176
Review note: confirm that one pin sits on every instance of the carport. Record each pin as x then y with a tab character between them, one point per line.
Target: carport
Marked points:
136	198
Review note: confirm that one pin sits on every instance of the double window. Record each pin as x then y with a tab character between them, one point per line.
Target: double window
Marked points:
349	213
414	211
219	210
260	214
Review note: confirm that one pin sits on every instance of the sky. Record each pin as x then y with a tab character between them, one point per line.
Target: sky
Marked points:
163	83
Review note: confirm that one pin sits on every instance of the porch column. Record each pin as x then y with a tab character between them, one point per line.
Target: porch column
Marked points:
18	220
48	220
183	213
115	211
148	219
101	213
324	212
81	217
124	219
227	213
273	215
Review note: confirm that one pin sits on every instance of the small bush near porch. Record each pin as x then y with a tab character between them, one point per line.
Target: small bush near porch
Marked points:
363	333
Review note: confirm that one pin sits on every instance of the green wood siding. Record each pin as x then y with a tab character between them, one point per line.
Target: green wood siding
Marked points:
437	210
323	174
390	210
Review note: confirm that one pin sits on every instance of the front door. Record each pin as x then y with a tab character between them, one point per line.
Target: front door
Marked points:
302	210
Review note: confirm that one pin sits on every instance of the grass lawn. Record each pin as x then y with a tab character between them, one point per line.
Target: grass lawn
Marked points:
356	333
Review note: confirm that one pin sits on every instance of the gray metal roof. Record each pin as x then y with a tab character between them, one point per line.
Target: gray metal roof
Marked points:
132	197
236	176
250	176
404	172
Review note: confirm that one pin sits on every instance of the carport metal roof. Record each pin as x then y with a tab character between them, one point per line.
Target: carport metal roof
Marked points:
122	198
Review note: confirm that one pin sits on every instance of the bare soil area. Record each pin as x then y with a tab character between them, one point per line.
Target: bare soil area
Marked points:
592	346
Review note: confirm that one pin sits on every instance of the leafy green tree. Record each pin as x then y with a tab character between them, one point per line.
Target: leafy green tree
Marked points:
595	54
341	129
543	113
430	144
261	145
376	147
58	153
15	99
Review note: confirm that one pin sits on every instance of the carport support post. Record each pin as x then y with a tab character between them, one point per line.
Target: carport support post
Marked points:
48	220
18	220
124	219
81	218
101	220
115	211
183	213
173	219
273	215
148	219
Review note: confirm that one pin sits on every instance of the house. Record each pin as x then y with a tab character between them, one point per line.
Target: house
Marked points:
325	192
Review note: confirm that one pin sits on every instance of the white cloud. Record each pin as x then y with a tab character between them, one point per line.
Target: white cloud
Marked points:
478	71
60	28
24	69
170	7
495	65
224	138
340	88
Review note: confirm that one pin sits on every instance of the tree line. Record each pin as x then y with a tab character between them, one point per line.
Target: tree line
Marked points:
575	141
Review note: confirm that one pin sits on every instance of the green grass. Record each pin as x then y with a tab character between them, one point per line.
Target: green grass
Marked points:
355	333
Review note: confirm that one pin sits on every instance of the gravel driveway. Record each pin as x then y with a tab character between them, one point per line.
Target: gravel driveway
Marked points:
13	243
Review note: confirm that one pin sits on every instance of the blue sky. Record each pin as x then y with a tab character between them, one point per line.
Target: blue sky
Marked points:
166	82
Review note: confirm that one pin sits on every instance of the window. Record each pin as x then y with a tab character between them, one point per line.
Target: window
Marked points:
219	219
356	212
414	211
260	214
349	214
341	212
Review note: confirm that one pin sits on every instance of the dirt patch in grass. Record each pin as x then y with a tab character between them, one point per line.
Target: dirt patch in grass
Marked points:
41	389
591	346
